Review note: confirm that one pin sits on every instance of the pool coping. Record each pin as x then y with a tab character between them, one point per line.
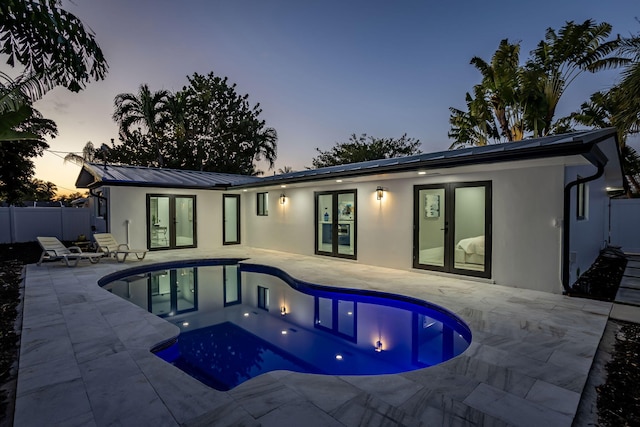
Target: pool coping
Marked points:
85	356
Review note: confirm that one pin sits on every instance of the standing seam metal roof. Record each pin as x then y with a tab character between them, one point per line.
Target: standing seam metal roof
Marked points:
95	174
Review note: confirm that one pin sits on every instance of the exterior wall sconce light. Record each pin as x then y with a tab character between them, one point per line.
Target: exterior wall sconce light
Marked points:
283	198
379	193
283	310
378	347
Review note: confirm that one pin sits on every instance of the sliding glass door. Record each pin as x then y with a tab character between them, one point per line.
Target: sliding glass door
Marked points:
452	228
335	219
171	221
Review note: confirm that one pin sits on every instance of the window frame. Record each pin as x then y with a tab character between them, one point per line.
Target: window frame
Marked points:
581	200
262	203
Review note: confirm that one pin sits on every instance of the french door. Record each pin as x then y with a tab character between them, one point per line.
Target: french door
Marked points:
335	223
171	221
452	228
231	219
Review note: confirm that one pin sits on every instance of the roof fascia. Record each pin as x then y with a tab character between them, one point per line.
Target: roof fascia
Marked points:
575	147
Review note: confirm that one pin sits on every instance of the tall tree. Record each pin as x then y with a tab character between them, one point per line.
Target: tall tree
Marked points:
522	99
628	94
502	88
88	155
364	148
560	58
54	49
16	164
142	118
206	126
224	133
476	126
51	43
604	110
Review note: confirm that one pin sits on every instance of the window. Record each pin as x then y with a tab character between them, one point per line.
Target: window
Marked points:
581	209
263	204
263	298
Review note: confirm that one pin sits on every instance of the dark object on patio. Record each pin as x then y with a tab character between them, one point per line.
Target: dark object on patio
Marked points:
602	279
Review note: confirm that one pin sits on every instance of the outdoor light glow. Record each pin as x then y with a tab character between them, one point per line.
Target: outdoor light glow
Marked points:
283	186
338	357
349	313
283	310
422	173
185	323
338	180
378	347
284	332
246	315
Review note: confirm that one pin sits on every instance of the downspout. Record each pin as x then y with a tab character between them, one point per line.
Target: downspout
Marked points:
106	201
566	229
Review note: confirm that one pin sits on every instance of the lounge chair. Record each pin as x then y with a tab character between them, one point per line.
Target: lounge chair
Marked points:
109	245
53	249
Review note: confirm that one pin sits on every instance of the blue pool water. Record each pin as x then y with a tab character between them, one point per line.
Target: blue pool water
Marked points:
240	320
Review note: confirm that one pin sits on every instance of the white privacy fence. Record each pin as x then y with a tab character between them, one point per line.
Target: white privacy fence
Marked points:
625	224
24	224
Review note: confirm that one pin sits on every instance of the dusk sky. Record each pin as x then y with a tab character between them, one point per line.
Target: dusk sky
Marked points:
320	70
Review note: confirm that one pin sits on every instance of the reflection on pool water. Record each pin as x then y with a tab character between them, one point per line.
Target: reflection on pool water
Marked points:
239	320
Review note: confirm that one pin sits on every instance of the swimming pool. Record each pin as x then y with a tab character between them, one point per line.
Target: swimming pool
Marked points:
239	320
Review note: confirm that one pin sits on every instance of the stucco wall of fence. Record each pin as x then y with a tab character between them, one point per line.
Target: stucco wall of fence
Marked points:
24	224
625	224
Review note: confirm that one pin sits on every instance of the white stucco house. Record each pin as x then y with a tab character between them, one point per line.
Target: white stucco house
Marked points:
528	214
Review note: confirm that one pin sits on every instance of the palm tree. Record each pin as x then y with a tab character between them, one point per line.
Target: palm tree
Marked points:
50	43
629	86
603	110
88	155
476	126
560	58
146	112
285	169
501	86
266	146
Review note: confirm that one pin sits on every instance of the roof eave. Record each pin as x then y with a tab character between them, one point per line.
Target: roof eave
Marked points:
575	147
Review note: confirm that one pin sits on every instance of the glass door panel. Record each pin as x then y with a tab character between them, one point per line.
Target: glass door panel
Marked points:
452	228
231	219
186	289
336	223
184	223
171	221
432	227
325	217
159	221
469	239
346	217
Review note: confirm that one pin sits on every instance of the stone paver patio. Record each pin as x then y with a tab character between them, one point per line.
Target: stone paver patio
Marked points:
85	357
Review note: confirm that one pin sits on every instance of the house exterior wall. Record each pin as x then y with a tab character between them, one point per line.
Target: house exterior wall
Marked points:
129	203
527	204
588	236
527	209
